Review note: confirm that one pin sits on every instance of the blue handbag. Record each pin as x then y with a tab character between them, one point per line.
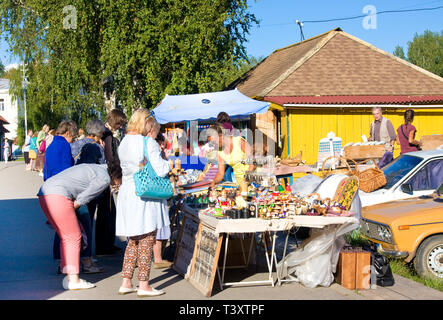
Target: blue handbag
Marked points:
148	184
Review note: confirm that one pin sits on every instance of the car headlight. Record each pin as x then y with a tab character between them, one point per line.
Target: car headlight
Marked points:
384	233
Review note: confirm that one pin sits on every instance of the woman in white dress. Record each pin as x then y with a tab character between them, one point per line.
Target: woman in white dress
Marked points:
139	219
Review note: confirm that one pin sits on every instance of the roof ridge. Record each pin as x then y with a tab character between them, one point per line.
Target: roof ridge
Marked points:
328	36
310	39
389	55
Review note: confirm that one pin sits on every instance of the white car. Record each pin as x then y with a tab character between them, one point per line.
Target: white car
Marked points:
411	175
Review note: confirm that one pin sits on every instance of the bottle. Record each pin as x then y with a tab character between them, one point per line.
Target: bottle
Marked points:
288	188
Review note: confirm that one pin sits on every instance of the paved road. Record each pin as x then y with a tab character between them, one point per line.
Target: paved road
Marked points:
27	270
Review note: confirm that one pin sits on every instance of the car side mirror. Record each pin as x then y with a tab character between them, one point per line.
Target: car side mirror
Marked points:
407	188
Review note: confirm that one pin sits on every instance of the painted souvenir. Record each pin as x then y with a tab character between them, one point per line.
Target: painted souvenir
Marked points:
304	207
335	210
346	192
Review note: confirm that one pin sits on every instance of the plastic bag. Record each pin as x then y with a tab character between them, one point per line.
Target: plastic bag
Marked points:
305	185
314	263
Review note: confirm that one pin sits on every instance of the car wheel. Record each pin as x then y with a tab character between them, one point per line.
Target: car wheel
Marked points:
429	258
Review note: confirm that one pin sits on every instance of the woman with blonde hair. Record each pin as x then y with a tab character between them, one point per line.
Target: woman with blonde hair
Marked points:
137	218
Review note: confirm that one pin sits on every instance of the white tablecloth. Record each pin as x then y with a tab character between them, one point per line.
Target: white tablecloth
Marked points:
262	225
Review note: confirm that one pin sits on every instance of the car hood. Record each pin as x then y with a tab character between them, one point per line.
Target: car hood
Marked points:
374	197
414	210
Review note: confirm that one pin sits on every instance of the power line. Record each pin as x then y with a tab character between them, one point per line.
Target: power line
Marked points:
355	17
377	13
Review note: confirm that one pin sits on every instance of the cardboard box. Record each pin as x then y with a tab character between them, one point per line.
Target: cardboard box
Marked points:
431	142
353	269
346	269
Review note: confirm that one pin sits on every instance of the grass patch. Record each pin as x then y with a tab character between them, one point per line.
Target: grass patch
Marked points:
407	270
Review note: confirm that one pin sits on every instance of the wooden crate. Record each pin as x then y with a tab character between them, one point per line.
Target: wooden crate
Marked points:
363	270
346	269
431	142
364	152
353	269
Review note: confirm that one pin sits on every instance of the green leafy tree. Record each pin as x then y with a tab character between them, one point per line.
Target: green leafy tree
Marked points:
399	52
425	51
76	51
236	70
2	70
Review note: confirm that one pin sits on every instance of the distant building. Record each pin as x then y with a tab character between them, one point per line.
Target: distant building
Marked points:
8	111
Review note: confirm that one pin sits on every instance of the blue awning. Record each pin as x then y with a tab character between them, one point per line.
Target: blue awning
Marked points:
204	106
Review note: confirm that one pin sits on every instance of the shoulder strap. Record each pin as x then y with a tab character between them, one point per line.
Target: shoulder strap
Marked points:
401	128
145	148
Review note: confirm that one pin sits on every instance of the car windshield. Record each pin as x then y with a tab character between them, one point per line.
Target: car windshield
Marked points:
399	168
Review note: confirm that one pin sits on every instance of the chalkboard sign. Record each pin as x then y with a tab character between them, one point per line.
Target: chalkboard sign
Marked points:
185	245
205	259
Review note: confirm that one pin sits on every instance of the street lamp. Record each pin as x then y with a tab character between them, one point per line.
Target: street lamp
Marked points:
24	84
24	98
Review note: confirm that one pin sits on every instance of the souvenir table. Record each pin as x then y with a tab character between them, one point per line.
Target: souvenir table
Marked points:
228	227
261	205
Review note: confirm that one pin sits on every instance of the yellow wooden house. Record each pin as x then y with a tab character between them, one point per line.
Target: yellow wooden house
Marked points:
330	83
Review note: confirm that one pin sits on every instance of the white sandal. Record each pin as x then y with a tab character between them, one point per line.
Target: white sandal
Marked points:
124	290
82	284
153	293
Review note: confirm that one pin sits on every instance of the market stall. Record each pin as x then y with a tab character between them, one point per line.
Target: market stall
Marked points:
213	217
258	202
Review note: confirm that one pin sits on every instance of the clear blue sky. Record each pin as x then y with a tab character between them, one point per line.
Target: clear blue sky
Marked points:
278	29
392	29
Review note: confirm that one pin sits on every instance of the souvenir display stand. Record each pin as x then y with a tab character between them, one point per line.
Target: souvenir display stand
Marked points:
201	238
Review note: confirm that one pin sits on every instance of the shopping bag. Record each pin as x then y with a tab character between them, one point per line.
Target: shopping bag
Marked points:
148	184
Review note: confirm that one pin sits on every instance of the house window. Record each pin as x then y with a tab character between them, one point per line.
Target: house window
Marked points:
2	105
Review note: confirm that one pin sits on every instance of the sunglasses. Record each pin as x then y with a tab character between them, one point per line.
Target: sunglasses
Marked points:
151	114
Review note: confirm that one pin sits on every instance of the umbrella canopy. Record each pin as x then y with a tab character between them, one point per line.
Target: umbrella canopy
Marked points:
204	106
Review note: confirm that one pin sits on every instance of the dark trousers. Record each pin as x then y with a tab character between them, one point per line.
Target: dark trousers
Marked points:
26	155
105	223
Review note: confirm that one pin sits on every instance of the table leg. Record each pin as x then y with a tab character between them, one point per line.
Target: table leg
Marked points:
273	257
250	249
243	250
219	279
224	258
279	272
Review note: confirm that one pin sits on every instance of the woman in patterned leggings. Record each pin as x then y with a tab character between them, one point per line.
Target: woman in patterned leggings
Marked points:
139	248
139	219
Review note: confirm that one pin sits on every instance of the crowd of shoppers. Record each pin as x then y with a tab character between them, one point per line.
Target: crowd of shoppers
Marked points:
89	179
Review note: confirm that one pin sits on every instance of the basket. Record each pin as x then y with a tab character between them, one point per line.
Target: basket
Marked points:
370	179
347	171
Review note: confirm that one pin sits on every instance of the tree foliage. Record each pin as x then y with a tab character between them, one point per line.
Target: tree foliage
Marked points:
425	51
79	50
2	70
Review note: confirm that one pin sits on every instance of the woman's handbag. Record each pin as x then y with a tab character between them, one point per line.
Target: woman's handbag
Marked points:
371	179
148	184
32	154
42	148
